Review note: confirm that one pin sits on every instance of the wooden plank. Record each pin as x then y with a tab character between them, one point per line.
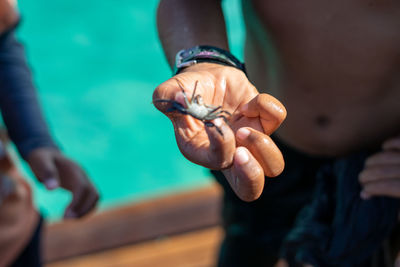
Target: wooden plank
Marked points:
194	249
135	223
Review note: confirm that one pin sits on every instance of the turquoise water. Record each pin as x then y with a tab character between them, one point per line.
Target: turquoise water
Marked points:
96	64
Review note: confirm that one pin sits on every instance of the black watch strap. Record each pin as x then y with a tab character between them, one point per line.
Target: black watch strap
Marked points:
205	53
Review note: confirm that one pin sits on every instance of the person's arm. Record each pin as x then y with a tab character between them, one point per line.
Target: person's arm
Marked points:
244	151
28	130
18	101
183	24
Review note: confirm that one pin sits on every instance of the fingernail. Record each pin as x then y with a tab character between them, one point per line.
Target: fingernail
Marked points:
70	214
51	183
242	133
241	156
364	195
218	122
180	98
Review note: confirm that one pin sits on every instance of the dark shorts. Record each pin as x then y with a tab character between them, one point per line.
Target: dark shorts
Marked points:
31	255
311	213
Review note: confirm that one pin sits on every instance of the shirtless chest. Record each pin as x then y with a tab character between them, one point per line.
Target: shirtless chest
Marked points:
338	68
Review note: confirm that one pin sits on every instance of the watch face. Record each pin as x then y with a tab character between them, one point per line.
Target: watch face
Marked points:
180	56
188	54
182	60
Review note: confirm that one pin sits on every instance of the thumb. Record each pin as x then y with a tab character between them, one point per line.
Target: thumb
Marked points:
44	168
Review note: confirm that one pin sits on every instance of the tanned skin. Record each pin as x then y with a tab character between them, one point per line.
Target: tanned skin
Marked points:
338	77
339	74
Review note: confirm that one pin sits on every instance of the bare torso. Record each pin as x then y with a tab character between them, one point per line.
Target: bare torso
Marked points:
339	70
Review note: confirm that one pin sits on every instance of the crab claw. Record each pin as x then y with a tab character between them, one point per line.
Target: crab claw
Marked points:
178	107
175	105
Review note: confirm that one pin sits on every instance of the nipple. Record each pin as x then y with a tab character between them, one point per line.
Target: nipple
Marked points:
322	121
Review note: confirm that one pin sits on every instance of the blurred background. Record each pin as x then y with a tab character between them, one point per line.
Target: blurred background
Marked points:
96	64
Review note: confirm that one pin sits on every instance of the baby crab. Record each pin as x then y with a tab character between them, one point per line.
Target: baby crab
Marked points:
197	109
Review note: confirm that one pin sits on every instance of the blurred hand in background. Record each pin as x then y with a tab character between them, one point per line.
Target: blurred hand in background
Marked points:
381	175
27	128
54	170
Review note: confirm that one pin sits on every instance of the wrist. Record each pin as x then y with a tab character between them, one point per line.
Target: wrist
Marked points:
205	66
27	148
213	72
206	54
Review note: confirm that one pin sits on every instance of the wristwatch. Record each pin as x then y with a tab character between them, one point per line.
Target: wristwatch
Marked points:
205	53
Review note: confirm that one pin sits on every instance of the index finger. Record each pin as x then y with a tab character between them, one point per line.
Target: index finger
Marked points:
268	108
83	201
165	91
84	197
174	90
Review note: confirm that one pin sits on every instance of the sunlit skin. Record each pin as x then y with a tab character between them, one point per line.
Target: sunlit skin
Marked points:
260	114
338	80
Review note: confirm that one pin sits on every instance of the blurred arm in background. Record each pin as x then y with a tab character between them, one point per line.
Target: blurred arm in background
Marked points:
20	224
28	130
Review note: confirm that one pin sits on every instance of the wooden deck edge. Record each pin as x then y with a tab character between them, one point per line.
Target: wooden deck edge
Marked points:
173	214
197	248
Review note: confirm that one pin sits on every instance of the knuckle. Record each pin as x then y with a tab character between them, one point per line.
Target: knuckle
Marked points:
162	90
228	71
157	92
226	164
221	163
46	173
261	101
162	86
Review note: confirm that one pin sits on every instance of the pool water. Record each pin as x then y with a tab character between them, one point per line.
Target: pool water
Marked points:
96	64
